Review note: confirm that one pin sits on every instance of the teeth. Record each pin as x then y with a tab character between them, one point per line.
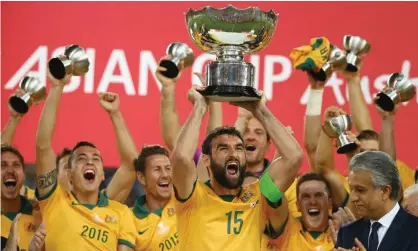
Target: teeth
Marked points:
313	211
10	180
89	171
232	164
163	183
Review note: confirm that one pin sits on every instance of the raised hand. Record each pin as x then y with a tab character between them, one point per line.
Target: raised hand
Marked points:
38	240
315	84
18	93
348	76
58	82
332	112
195	97
166	82
252	106
13	239
385	114
109	101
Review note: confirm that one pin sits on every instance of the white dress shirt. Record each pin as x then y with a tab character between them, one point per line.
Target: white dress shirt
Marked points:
386	221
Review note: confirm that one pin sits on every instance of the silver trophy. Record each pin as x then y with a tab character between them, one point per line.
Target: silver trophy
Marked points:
356	47
336	128
35	91
400	89
179	52
75	61
336	62
230	34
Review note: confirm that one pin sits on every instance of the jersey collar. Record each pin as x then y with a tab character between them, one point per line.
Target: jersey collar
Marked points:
102	202
314	234
25	208
140	211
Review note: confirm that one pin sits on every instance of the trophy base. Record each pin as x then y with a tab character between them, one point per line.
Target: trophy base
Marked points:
57	68
172	69
231	93
351	68
348	148
19	105
385	102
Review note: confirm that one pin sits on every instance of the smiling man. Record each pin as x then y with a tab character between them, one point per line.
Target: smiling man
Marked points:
12	203
309	232
81	219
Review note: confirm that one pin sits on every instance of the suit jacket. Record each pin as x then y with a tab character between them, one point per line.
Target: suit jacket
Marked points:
402	234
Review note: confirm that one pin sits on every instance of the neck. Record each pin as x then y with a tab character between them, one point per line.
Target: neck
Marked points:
220	190
153	204
10	205
255	167
87	198
385	209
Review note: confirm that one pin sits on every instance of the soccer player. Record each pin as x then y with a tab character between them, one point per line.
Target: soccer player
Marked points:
62	168
82	219
309	232
222	214
154	212
12	203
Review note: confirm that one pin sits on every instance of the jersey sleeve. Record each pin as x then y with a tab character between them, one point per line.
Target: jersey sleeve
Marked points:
406	174
127	229
183	205
47	202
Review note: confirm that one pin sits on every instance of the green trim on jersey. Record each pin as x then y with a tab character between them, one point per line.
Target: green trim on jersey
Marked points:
25	208
140	211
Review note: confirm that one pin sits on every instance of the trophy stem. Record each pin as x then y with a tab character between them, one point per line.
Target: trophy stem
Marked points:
230	53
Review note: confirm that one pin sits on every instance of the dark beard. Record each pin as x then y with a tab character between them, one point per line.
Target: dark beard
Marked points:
219	174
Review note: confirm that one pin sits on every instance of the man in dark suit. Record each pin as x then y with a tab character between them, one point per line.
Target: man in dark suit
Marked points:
385	226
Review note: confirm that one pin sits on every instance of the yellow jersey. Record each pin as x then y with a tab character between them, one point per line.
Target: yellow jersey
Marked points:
406	174
29	193
296	237
209	222
75	226
291	198
26	226
156	231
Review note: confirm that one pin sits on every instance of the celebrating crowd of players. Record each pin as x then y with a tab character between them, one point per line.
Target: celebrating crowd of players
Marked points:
224	195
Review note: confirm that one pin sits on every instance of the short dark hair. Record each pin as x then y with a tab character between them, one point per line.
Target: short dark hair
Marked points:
65	152
8	148
368	135
312	176
228	130
147	151
382	167
78	145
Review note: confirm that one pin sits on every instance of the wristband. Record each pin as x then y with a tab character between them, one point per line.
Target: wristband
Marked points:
269	189
314	105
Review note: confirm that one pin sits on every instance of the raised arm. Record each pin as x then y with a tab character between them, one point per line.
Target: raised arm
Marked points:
8	133
325	160
184	169
123	180
46	171
312	126
289	163
387	142
169	117
358	107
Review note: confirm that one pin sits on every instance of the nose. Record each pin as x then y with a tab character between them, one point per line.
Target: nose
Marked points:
353	196
165	173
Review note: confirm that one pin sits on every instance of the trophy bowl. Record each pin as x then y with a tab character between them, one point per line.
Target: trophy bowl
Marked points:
179	52
35	91
75	61
400	89
336	128
230	34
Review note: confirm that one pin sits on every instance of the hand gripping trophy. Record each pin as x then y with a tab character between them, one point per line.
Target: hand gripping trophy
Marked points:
230	34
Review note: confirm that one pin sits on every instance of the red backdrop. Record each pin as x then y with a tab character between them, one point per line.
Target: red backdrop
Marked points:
125	40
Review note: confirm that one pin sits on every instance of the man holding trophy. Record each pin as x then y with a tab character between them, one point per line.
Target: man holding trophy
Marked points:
206	212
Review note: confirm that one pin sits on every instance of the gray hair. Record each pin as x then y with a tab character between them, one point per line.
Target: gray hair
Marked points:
382	167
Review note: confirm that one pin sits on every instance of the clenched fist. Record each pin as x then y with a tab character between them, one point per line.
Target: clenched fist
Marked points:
109	101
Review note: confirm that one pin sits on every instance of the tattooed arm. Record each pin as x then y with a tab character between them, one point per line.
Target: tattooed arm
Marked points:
46	172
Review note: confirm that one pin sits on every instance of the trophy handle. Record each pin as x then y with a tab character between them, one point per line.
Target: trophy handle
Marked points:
172	69
21	104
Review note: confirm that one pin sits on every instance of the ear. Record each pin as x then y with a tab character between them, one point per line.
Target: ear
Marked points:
386	192
141	178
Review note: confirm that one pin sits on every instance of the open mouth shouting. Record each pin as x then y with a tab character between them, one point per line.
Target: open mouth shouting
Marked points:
232	168
89	175
314	212
164	184
10	183
250	147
